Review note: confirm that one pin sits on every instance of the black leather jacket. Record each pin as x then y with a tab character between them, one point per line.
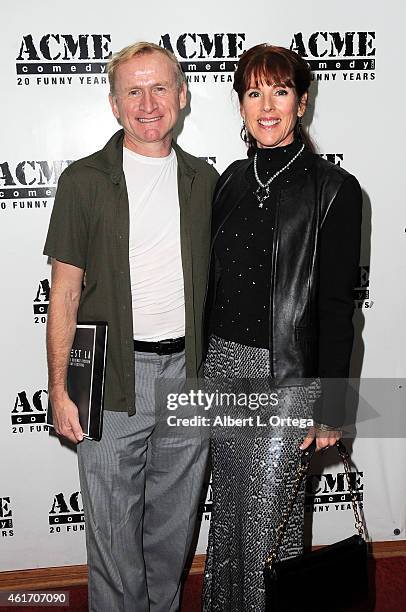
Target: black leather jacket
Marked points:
301	210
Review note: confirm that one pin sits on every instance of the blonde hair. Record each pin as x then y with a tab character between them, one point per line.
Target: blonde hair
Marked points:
140	48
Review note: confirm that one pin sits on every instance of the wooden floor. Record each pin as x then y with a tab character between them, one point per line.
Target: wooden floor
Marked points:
387	572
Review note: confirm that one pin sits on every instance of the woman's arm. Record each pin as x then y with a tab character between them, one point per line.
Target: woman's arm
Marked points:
340	239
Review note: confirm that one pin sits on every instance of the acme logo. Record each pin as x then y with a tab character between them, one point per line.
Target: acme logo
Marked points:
41	300
66	512
26	412
30	179
217	52
63	53
330	488
336	50
6	520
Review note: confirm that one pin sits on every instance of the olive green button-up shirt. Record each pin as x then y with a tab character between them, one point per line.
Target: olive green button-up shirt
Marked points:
89	228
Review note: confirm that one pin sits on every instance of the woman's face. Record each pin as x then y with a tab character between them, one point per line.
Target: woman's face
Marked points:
270	113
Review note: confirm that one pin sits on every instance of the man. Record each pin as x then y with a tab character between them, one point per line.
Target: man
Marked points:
131	224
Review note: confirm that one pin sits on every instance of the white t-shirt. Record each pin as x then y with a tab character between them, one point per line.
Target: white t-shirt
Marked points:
155	256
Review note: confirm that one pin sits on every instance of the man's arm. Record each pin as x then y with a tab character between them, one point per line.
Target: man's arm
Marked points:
66	288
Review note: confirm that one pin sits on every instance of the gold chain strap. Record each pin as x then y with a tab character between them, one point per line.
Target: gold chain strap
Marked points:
359	525
302	470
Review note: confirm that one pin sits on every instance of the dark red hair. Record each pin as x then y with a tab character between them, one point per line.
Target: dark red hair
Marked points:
274	66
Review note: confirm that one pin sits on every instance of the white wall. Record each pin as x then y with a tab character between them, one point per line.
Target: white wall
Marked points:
357	114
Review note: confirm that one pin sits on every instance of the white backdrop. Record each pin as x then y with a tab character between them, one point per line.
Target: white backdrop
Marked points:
54	108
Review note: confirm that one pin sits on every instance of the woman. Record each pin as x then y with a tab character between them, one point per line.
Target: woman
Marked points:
286	236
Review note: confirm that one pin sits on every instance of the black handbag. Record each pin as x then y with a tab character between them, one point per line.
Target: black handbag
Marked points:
334	577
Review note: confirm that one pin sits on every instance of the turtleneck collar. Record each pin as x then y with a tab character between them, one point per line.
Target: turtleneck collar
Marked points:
273	159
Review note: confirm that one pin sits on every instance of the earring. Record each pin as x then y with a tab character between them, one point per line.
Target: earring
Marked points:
244	133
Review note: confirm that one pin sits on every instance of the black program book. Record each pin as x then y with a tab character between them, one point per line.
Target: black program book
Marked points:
86	369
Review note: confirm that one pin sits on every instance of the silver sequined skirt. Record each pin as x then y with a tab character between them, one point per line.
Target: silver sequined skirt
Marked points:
252	476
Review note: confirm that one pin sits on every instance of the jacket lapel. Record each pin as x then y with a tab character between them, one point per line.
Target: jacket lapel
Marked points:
223	206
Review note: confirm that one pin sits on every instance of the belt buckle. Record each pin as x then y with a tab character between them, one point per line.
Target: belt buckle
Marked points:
162	345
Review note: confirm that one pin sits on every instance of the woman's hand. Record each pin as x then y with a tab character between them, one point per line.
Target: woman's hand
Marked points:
324	438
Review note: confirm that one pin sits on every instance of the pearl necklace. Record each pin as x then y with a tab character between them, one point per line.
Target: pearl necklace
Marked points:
262	192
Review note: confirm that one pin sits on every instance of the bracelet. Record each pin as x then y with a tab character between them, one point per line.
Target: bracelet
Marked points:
324	427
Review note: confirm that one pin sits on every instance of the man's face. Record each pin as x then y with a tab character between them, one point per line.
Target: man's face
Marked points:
146	102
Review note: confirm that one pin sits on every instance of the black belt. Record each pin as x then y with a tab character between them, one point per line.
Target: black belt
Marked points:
163	347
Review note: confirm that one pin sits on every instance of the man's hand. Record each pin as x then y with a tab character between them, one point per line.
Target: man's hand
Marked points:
324	438
66	418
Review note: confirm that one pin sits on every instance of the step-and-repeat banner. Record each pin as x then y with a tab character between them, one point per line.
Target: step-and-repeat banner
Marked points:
55	109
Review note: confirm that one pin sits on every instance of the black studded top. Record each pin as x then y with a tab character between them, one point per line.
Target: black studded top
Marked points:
243	249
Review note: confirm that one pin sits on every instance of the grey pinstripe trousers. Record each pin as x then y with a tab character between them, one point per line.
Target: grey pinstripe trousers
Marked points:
140	492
